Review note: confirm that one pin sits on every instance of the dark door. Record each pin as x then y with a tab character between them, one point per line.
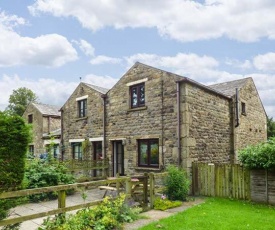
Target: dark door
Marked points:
97	156
118	158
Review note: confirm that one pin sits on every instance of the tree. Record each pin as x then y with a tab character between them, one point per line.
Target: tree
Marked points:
19	99
270	127
14	139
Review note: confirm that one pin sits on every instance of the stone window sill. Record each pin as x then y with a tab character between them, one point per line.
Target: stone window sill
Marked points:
81	118
137	109
149	169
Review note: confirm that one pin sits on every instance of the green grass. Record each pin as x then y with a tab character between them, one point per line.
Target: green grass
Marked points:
220	214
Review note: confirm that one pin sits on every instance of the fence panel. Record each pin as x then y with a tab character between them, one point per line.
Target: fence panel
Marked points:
222	180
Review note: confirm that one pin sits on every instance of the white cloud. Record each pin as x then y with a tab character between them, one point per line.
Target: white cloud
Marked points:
200	68
182	20
101	59
102	81
51	50
243	65
265	62
49	91
86	47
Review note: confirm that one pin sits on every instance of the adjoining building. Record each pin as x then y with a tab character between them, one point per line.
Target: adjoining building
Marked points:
46	129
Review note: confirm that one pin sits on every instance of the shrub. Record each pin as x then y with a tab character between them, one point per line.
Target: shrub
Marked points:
176	184
162	203
14	139
261	156
110	214
45	173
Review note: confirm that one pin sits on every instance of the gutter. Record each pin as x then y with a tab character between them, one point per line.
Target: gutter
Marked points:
178	123
104	96
62	136
237	108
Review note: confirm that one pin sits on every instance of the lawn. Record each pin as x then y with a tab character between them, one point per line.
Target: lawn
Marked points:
222	214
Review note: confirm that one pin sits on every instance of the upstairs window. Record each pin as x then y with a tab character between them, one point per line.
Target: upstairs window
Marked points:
137	93
148	152
82	108
77	150
30	118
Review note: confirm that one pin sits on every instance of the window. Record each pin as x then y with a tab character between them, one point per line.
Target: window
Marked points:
30	118
31	149
137	93
82	108
148	152
54	150
77	150
243	108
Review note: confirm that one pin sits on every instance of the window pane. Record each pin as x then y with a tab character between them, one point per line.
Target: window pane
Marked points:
141	95
154	153
82	108
143	154
134	97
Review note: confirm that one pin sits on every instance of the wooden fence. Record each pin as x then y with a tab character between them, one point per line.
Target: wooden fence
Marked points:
148	190
224	180
263	186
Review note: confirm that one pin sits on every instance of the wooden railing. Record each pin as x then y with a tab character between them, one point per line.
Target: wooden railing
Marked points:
147	189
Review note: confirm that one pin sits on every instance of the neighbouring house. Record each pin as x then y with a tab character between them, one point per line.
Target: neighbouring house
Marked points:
46	129
82	119
152	118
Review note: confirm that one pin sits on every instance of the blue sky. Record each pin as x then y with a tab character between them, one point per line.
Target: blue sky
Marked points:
48	45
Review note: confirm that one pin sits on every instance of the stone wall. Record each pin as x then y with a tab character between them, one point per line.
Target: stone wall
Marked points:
51	123
90	126
40	125
156	120
252	127
206	128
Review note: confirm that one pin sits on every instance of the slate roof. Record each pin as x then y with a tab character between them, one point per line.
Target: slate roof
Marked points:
229	88
48	109
97	88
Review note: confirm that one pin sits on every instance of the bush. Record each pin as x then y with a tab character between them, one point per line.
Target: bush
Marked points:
14	139
261	156
176	184
45	173
110	214
162	203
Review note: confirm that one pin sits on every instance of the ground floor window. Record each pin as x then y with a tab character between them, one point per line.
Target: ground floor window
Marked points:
77	150
31	149
53	149
148	152
97	145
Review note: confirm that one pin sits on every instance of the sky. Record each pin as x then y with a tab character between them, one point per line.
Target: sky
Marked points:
49	46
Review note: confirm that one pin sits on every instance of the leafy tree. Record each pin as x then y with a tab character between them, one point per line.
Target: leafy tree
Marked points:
270	127
14	139
19	99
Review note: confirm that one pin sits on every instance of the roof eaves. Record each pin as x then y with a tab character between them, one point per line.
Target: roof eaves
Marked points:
188	80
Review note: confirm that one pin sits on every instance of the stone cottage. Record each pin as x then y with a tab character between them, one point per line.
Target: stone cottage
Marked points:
82	119
46	128
152	118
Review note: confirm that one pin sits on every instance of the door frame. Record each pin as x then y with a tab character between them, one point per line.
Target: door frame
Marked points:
115	155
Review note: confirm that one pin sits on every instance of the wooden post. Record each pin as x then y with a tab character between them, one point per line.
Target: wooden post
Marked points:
62	199
152	189
145	190
128	187
117	184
